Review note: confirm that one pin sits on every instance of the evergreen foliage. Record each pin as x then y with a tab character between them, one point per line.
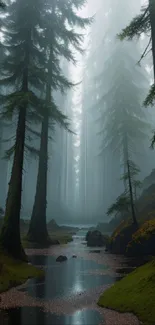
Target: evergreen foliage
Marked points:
143	23
35	37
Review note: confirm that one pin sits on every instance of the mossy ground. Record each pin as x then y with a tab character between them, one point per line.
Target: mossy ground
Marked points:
13	272
143	240
135	293
60	236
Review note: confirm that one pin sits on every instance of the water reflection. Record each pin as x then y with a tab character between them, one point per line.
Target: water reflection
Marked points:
36	316
66	279
61	280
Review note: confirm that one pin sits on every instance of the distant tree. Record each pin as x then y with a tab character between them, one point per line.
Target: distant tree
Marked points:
126	201
2	5
119	89
124	125
120	206
129	177
137	185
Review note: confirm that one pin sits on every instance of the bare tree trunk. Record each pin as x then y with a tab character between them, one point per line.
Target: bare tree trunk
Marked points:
10	234
38	228
131	195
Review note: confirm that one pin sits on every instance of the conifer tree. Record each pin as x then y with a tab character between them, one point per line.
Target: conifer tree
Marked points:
58	38
23	71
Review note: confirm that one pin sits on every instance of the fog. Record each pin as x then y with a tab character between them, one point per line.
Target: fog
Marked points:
85	165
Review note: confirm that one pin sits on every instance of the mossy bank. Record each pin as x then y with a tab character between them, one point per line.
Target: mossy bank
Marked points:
135	293
14	273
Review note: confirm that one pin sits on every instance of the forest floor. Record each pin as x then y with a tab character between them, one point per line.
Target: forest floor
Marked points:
135	293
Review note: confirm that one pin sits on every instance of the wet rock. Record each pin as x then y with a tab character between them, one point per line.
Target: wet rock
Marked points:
121	238
95	239
88	235
61	258
74	256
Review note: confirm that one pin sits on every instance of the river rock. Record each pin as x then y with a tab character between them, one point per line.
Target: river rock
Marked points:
61	258
95	239
74	256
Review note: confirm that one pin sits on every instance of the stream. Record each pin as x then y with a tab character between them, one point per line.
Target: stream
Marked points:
68	293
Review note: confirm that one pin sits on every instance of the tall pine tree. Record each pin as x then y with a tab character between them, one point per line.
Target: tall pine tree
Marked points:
23	71
58	38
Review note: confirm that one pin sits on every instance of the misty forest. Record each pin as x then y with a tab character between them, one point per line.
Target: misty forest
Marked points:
77	162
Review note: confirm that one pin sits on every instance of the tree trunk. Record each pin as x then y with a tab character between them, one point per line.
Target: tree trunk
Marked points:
131	196
38	229
10	234
152	21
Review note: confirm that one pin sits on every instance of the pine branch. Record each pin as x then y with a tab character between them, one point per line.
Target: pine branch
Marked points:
9	153
33	132
33	151
152	141
140	24
149	101
144	54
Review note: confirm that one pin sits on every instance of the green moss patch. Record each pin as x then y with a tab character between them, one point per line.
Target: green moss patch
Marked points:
62	236
143	240
135	293
55	238
13	273
121	237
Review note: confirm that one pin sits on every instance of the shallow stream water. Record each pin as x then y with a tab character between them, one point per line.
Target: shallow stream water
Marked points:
68	293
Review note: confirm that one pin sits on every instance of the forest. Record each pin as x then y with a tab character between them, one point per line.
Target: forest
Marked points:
77	162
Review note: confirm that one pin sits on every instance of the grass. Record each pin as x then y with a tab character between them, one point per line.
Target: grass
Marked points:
135	293
13	272
63	237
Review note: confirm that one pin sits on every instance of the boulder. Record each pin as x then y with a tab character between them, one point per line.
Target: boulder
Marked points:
88	235
95	239
61	258
143	241
121	237
74	256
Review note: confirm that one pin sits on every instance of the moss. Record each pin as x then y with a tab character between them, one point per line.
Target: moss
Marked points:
121	237
56	238
13	272
135	293
61	236
143	240
119	229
